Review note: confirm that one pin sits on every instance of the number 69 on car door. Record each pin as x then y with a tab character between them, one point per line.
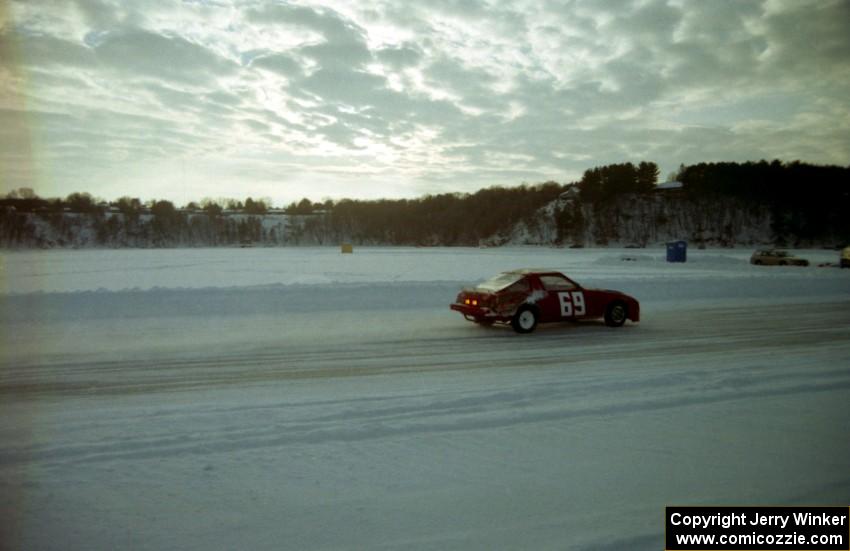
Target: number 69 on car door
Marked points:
572	303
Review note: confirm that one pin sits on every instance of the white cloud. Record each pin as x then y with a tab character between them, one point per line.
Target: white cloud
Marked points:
373	99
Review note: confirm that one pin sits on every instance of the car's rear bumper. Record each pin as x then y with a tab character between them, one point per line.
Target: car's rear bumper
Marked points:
477	313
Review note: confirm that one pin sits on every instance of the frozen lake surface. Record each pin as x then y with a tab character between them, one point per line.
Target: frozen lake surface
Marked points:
303	399
143	269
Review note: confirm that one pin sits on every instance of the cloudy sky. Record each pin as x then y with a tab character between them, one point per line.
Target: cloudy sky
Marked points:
215	98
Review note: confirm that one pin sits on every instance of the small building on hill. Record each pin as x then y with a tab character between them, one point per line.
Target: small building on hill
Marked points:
672	185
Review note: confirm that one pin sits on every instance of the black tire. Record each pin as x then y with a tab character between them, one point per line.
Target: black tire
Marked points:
616	314
525	320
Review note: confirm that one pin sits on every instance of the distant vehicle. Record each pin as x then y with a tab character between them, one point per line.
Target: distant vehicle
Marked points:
845	258
524	298
776	257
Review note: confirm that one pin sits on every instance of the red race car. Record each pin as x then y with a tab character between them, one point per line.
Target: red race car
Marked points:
525	298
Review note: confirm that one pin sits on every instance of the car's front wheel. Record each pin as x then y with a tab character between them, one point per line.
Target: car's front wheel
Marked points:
525	320
615	314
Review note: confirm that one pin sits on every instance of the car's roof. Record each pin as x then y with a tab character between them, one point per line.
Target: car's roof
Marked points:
533	271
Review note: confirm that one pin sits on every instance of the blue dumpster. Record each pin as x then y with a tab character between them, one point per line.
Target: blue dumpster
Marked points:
677	251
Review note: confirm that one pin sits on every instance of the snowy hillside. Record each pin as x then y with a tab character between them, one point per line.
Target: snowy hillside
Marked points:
641	221
298	398
115	230
628	221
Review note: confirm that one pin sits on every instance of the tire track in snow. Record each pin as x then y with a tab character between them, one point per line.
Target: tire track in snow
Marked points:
660	338
585	371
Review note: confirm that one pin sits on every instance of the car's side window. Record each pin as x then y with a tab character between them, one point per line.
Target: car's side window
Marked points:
556	283
520	286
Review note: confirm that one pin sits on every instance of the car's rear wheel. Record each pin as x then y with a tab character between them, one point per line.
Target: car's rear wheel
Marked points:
616	314
525	320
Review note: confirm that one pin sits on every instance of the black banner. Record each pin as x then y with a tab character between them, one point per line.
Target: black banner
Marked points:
757	528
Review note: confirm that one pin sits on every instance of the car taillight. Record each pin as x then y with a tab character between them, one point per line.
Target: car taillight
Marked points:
475	301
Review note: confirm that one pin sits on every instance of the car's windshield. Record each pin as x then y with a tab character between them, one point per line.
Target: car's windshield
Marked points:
499	282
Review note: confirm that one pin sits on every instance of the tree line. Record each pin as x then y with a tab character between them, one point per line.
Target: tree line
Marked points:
444	219
26	200
807	202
